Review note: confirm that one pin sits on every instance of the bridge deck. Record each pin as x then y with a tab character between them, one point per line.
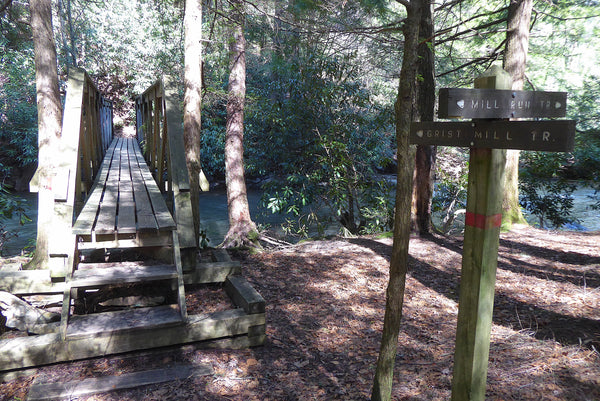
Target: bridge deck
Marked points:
125	198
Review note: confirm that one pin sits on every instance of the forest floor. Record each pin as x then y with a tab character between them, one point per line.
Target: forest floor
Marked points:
325	305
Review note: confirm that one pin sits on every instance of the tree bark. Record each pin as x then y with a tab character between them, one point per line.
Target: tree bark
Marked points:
192	102
241	226
382	386
49	121
425	110
515	60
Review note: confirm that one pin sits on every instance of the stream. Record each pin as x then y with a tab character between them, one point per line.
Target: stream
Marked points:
214	220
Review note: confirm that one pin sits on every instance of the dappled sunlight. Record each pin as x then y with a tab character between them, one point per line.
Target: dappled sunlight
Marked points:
325	302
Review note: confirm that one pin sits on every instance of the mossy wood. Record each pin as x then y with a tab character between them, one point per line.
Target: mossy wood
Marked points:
244	295
79	388
23	352
28	282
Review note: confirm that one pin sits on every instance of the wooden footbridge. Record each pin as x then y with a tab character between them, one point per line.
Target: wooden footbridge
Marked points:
123	225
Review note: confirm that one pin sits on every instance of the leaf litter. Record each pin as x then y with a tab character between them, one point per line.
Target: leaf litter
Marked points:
325	305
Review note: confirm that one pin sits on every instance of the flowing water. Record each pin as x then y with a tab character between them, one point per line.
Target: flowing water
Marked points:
214	219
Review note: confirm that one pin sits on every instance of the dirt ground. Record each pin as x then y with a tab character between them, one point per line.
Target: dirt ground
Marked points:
325	305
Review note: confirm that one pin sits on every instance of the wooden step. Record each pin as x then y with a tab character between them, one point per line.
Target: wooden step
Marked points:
96	274
122	321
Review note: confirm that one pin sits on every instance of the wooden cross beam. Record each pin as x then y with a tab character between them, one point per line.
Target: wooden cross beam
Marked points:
488	139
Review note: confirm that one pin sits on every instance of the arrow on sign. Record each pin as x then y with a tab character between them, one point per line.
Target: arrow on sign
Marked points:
550	136
495	103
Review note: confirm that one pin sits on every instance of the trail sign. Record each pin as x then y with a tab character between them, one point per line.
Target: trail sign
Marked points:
487	135
549	136
497	103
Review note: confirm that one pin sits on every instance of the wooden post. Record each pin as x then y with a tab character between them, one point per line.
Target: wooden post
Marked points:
182	204
480	257
62	245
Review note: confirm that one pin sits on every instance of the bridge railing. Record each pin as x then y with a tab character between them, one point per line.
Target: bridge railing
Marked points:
159	128
87	131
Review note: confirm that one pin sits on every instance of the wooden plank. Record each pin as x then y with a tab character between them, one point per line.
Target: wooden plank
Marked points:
221	255
126	208
96	140
244	295
96	324
141	240
40	350
157	108
107	213
91	277
162	149
146	220
6	377
79	388
143	208
27	282
86	219
549	136
162	214
184	219
212	272
180	182
255	331
86	132
71	129
180	285
176	148
497	103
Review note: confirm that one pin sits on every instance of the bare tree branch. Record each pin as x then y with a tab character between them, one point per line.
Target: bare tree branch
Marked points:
391	27
563	19
479	60
448	5
482	26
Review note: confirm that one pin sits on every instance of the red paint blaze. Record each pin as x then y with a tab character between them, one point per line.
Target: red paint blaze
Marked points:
482	221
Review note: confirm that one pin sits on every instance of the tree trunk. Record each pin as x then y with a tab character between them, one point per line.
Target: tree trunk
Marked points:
192	102
49	121
515	60
382	386
73	47
425	156
241	226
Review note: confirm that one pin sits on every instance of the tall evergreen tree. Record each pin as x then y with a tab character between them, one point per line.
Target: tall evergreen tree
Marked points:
425	110
192	101
241	226
49	120
515	60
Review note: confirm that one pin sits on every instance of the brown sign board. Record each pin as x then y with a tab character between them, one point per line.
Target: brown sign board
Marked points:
549	136
496	103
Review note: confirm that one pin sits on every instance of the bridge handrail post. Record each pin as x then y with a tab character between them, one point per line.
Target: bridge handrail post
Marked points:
160	134
85	136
